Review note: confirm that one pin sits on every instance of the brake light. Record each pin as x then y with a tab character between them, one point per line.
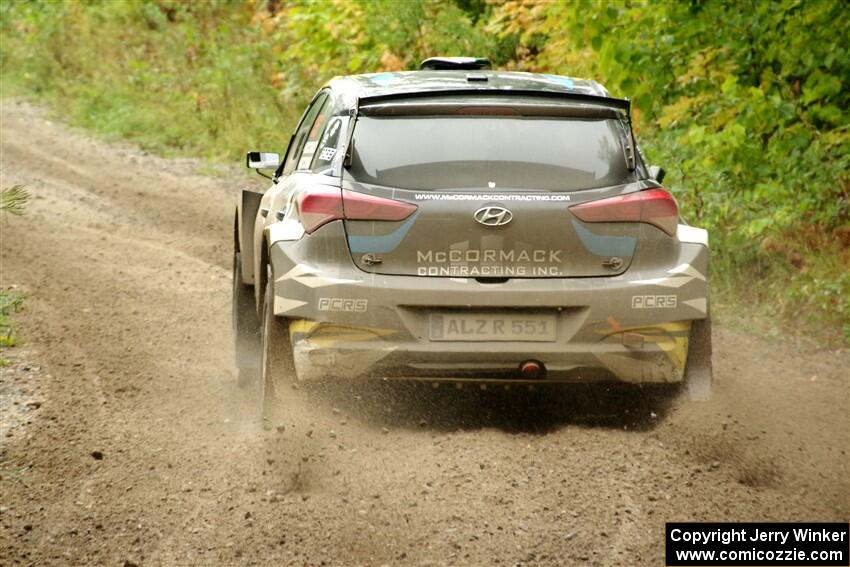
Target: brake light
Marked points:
322	205
361	206
318	207
653	206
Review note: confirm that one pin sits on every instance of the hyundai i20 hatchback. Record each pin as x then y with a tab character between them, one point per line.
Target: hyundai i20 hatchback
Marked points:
462	224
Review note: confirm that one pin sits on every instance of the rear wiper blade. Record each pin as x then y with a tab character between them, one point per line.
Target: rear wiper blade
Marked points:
349	144
629	142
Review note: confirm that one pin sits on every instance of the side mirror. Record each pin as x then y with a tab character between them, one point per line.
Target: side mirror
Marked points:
262	160
657	173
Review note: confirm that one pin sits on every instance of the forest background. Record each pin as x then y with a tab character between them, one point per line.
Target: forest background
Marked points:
745	104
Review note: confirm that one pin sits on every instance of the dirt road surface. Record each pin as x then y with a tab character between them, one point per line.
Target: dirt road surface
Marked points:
137	448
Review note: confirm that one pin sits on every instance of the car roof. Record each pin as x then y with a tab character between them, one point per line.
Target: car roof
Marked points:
400	83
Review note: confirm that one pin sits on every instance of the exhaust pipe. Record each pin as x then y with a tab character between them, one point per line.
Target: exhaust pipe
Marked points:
531	369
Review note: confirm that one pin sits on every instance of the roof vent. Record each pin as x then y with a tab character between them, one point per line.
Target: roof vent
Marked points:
455	63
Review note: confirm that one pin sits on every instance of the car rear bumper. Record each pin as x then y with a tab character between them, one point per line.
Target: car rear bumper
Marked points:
346	323
322	350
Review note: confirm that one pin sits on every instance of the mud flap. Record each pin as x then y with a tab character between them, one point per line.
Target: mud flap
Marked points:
248	206
246	327
698	372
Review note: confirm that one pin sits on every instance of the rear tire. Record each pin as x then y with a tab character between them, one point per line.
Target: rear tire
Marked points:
276	368
246	328
699	372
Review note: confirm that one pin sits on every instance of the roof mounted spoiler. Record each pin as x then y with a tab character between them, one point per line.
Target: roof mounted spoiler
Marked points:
455	64
567	96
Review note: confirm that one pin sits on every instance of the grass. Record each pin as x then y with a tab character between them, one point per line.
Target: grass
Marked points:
10	303
170	89
13	200
797	285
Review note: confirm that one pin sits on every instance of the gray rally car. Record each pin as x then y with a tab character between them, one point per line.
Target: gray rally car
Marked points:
462	224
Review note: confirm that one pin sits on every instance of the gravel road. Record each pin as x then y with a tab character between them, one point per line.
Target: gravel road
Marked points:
130	444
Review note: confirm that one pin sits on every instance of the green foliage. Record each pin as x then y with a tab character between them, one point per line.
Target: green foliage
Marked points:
744	103
190	78
319	40
14	199
10	303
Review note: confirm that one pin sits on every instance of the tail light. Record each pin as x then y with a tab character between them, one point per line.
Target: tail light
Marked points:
318	207
321	205
653	206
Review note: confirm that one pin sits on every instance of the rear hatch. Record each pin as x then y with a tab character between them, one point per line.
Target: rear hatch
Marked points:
492	180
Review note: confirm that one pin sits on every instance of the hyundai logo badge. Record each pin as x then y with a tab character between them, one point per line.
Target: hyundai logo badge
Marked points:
493	216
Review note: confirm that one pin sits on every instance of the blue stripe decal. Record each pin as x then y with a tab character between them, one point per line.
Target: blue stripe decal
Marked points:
381	244
602	245
566	81
383	79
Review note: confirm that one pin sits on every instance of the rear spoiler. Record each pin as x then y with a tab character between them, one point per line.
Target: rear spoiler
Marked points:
481	106
623	104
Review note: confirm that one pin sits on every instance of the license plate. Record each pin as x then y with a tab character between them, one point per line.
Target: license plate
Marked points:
492	327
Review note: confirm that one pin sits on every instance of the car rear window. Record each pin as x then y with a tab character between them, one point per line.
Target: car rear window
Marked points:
474	151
